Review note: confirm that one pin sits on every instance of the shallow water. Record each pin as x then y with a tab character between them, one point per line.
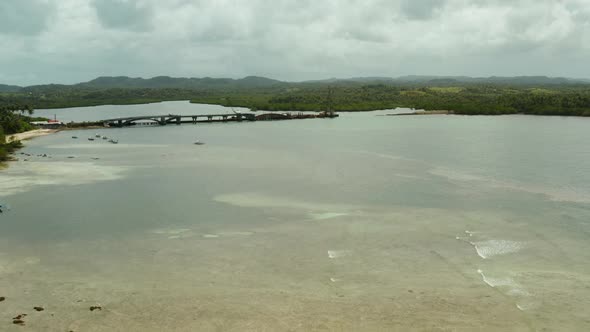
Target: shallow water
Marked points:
363	222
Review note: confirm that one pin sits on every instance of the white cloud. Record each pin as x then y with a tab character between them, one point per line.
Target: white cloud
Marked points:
24	17
75	40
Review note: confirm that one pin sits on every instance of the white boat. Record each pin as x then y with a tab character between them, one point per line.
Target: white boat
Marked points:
199	143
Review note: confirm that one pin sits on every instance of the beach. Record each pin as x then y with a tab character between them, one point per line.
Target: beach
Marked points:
30	134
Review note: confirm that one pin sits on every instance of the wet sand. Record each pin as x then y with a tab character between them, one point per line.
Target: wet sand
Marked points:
30	134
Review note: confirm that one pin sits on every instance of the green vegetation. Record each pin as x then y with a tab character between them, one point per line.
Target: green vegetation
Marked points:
463	95
475	99
12	120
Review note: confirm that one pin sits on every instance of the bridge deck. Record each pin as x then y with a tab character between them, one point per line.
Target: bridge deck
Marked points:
218	117
178	118
148	117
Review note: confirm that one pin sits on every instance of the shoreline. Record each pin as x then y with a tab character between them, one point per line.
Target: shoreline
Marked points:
20	137
27	135
30	134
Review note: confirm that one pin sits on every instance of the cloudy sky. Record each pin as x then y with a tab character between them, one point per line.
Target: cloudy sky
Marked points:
68	41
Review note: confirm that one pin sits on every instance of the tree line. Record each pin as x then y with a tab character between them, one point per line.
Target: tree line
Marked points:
13	120
349	96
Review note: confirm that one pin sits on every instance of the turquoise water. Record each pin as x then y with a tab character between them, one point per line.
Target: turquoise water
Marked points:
365	222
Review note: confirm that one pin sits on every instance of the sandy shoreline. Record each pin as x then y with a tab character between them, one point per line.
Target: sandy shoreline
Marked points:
30	134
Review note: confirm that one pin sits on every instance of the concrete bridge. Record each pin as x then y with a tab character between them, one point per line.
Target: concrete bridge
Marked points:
163	120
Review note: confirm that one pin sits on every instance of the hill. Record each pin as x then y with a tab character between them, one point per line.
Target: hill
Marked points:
9	88
167	82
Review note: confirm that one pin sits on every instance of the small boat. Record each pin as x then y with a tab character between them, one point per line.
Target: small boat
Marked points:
114	141
90	139
74	137
199	143
104	137
97	135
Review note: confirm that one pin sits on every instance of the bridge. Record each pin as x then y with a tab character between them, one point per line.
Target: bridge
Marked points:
163	120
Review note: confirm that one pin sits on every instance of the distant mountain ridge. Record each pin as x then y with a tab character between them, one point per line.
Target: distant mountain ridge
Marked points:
176	82
9	88
515	80
162	82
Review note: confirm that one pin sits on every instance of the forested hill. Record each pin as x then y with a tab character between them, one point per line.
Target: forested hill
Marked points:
249	82
9	88
464	95
529	81
179	83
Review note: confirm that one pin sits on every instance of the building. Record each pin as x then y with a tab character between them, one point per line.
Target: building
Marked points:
50	124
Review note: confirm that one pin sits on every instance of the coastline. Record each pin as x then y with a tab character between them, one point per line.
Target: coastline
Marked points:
29	134
19	137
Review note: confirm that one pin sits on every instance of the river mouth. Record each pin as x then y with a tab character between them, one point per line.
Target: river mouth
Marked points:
299	225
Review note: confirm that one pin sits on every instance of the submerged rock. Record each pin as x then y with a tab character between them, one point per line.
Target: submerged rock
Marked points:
18	322
39	308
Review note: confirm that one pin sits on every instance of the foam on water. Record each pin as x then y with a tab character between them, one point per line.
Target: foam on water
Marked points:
490	248
338	253
498	282
511	288
326	215
470	233
170	231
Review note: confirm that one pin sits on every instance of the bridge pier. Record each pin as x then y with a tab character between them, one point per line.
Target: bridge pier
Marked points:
163	120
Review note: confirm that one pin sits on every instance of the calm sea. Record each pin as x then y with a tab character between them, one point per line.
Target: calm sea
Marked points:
364	222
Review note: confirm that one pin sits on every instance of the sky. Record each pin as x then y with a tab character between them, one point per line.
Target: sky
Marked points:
70	41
